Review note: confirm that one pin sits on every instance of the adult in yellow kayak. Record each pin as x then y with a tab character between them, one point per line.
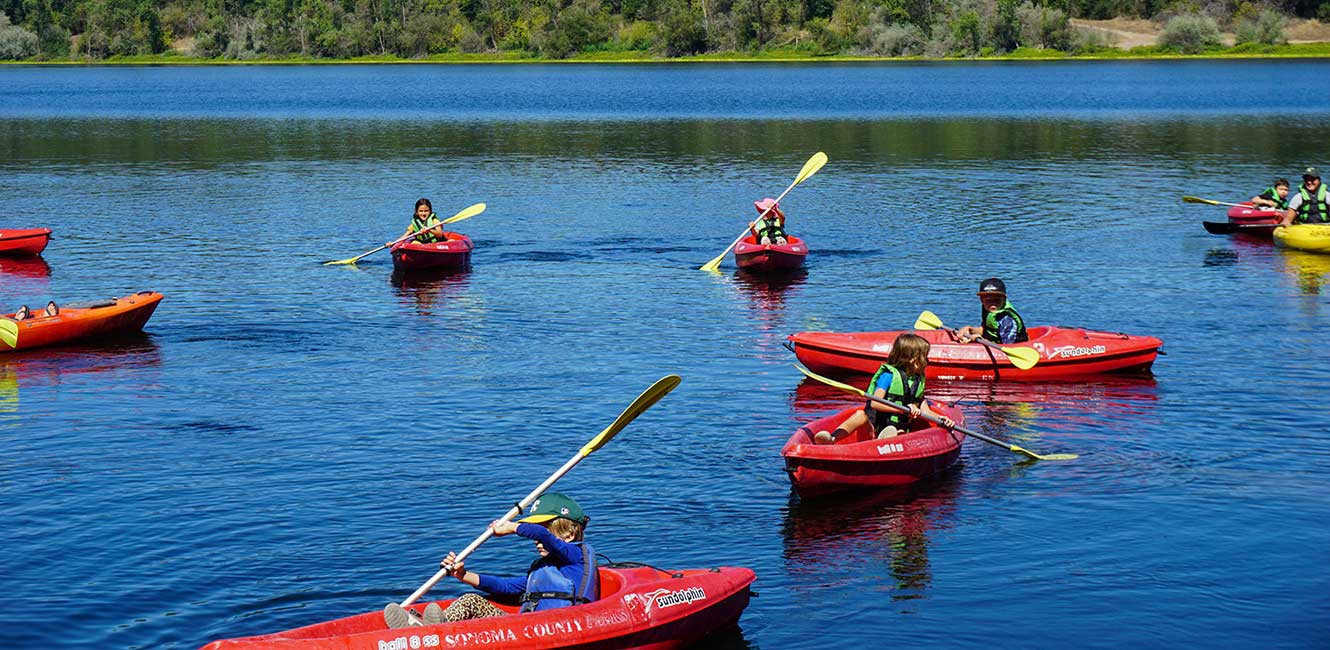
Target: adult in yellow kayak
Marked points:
1001	322
1310	204
1274	197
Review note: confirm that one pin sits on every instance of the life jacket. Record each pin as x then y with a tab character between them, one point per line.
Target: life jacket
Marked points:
772	225
1280	204
991	319
907	391
547	588
1313	211
418	225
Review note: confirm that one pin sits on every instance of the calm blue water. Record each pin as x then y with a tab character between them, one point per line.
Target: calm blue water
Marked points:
292	442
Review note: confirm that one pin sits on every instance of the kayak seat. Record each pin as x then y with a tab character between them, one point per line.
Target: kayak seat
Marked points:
610	584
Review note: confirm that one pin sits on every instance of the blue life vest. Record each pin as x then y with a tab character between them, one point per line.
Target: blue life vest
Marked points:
547	588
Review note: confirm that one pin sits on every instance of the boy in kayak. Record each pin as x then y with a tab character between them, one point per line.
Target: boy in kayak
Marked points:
771	228
564	575
423	219
900	380
1310	204
1274	197
1001	323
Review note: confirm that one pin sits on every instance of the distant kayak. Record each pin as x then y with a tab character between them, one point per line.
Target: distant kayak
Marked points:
755	258
1314	238
639	607
22	243
860	461
82	322
453	253
1064	353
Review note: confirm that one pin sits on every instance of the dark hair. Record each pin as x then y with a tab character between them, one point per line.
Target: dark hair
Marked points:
909	354
425	202
1281	181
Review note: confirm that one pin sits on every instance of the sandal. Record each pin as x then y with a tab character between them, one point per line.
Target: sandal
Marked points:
52	309
23	313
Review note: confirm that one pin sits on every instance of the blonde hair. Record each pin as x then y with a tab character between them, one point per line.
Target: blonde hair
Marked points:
563	528
909	354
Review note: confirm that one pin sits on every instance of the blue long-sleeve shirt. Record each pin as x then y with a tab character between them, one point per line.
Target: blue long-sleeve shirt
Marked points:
566	557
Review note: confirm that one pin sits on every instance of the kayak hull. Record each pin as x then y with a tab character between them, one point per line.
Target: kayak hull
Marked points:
861	462
1064	353
115	317
1251	220
641	607
24	243
1313	238
453	253
758	258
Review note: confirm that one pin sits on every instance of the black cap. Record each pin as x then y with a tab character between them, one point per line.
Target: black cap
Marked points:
1310	172
992	285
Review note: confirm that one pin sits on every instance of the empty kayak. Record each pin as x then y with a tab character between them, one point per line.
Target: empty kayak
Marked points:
452	253
861	461
80	322
754	257
1314	238
22	243
1064	353
640	607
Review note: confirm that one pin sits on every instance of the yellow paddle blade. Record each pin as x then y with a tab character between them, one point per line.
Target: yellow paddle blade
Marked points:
830	382
714	265
1195	199
349	260
1023	358
465	214
9	332
646	400
928	321
815	163
1031	454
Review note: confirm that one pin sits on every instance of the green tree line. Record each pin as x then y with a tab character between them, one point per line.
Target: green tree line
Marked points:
265	29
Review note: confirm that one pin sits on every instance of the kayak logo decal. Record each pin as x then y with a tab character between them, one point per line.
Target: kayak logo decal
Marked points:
663	598
890	448
1071	351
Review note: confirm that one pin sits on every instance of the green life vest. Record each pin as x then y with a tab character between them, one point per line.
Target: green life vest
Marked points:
991	319
1280	204
417	225
1313	211
907	391
770	227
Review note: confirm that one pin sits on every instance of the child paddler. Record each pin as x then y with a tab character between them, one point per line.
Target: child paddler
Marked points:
564	574
900	380
1274	197
1001	322
422	221
771	228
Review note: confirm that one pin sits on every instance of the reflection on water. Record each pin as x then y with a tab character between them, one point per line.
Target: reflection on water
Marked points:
25	267
1308	270
889	526
49	366
430	289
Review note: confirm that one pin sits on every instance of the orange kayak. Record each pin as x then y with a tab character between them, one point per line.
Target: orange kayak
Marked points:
77	322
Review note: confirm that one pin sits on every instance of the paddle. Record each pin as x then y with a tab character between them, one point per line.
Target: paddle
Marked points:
815	163
1193	199
465	214
9	332
972	434
1023	358
643	402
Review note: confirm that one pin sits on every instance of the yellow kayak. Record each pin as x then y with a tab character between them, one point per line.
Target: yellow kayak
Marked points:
1305	236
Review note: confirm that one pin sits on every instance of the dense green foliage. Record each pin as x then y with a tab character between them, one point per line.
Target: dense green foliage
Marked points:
273	29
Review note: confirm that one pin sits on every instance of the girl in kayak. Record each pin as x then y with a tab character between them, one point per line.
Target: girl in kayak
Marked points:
1001	322
771	228
900	380
1274	197
564	575
423	219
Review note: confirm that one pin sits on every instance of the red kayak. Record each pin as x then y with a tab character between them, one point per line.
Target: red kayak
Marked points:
77	322
860	460
754	257
23	243
452	253
1064	353
640	607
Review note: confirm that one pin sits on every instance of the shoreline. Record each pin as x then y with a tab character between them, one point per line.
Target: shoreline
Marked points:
1277	52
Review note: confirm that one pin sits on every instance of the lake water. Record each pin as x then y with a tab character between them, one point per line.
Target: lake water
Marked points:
294	442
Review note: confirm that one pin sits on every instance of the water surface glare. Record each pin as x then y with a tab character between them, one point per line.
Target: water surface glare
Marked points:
291	443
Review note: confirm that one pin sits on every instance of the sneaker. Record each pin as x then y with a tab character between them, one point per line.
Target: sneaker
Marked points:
889	432
398	617
23	313
433	614
823	438
52	309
